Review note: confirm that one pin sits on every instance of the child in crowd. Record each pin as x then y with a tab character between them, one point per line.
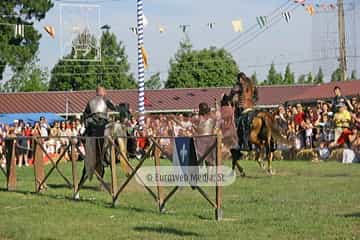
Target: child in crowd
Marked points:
323	151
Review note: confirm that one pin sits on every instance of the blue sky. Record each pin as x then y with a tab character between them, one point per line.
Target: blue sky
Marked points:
281	43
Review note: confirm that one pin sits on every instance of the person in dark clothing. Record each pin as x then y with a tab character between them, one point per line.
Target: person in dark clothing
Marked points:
339	98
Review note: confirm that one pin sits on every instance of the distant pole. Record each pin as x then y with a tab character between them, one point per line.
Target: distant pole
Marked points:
342	41
141	69
66	108
355	35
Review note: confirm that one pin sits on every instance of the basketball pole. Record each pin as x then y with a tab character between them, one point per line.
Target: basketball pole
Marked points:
141	69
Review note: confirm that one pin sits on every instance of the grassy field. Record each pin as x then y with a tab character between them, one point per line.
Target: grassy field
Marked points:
303	201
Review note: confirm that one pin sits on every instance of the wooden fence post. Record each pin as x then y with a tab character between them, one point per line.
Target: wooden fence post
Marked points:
38	165
113	174
218	211
157	153
11	164
73	166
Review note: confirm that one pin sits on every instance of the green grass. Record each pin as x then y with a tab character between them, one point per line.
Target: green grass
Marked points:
303	201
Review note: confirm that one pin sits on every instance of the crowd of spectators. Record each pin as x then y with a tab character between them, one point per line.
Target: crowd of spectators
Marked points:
322	128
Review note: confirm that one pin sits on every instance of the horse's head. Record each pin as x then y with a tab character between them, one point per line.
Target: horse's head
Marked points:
237	90
244	91
236	93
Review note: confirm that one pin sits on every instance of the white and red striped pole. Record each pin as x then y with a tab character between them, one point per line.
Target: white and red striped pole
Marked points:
141	68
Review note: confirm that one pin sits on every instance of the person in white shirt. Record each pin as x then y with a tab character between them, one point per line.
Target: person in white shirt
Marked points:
44	127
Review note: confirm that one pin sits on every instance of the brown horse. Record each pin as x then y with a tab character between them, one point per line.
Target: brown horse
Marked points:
263	129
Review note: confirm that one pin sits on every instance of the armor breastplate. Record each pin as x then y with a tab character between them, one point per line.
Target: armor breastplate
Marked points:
98	105
206	127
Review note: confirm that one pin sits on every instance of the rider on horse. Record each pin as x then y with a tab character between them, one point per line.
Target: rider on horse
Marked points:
96	112
245	111
96	119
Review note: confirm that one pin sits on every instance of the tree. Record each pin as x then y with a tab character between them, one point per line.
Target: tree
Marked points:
112	71
273	78
289	77
319	78
301	79
154	82
16	52
336	75
201	68
353	75
279	79
254	78
309	78
30	79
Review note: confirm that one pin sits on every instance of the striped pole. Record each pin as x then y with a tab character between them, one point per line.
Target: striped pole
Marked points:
141	69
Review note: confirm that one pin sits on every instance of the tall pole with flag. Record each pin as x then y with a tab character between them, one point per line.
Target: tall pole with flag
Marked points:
141	69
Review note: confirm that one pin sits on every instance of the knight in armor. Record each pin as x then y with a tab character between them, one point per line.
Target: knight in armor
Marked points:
245	112
96	119
96	113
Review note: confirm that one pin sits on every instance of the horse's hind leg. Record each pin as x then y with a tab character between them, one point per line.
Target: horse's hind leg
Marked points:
254	139
269	156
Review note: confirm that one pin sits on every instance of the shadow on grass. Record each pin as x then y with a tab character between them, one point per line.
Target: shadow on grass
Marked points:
130	208
336	175
16	191
201	217
89	200
167	230
351	215
84	187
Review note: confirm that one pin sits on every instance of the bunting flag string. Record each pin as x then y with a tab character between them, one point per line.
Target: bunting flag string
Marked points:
287	16
184	28
211	25
262	21
310	9
162	29
134	30
302	2
332	6
237	25
145	21
324	6
50	30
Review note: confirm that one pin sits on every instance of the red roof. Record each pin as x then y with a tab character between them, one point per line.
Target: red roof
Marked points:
324	91
161	100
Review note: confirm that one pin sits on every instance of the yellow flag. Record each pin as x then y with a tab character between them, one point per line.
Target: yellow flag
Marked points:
50	30
237	25
161	29
310	9
144	56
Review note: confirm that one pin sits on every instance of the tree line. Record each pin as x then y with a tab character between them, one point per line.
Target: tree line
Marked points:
211	67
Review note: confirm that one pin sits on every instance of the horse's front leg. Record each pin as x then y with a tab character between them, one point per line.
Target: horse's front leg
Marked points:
257	142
